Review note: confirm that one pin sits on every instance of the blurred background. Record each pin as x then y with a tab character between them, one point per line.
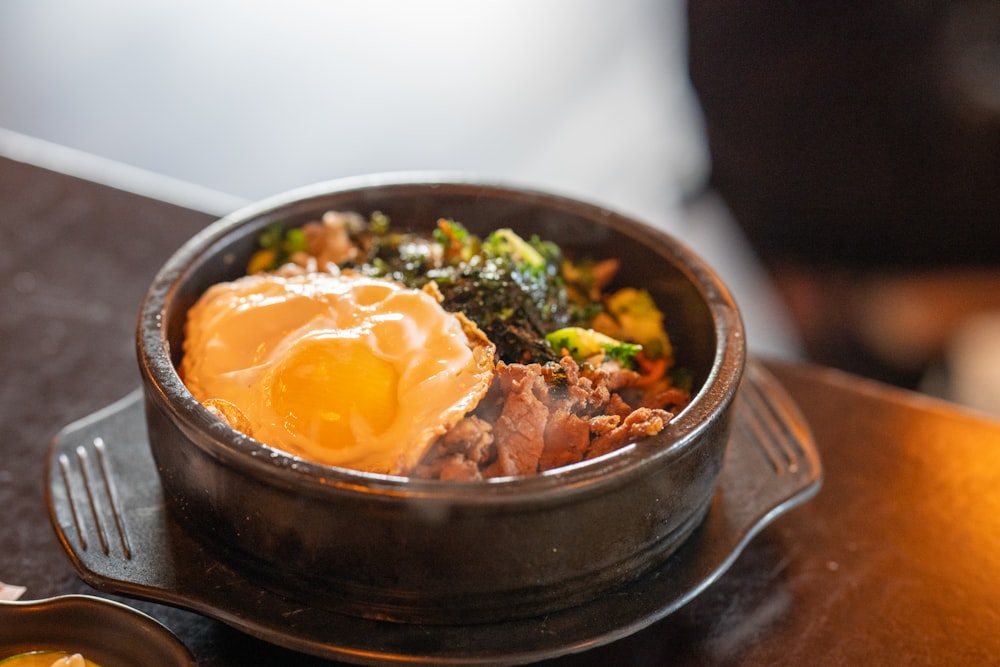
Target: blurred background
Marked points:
839	167
858	148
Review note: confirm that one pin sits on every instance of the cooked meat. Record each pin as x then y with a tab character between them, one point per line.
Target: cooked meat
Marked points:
520	429
567	439
642	423
461	452
544	416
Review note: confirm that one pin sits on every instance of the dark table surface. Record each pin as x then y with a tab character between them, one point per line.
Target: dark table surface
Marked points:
895	561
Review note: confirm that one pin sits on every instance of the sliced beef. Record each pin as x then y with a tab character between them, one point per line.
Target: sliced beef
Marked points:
538	417
641	423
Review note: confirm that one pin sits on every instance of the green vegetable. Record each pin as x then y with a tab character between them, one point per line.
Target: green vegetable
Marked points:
277	245
584	344
505	242
510	287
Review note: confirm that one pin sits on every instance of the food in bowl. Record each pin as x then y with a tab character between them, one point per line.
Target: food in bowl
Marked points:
444	355
416	550
103	632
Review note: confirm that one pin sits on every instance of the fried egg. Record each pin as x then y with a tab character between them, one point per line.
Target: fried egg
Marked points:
345	370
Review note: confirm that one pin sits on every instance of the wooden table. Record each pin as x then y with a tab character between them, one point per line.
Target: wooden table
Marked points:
895	561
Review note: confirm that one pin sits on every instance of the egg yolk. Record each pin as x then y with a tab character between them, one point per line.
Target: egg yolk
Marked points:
332	389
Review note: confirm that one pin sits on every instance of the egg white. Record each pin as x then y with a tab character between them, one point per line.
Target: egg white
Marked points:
419	368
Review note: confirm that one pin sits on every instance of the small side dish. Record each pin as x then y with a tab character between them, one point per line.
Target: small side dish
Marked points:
85	631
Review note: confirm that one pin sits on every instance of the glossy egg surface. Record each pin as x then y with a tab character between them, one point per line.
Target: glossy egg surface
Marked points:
341	369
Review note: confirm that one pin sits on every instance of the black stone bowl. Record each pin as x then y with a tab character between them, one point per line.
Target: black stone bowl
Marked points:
428	551
106	632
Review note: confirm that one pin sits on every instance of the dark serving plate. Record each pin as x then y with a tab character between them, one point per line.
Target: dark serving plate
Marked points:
107	507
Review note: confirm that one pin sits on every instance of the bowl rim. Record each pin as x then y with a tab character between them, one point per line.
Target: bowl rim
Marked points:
232	447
